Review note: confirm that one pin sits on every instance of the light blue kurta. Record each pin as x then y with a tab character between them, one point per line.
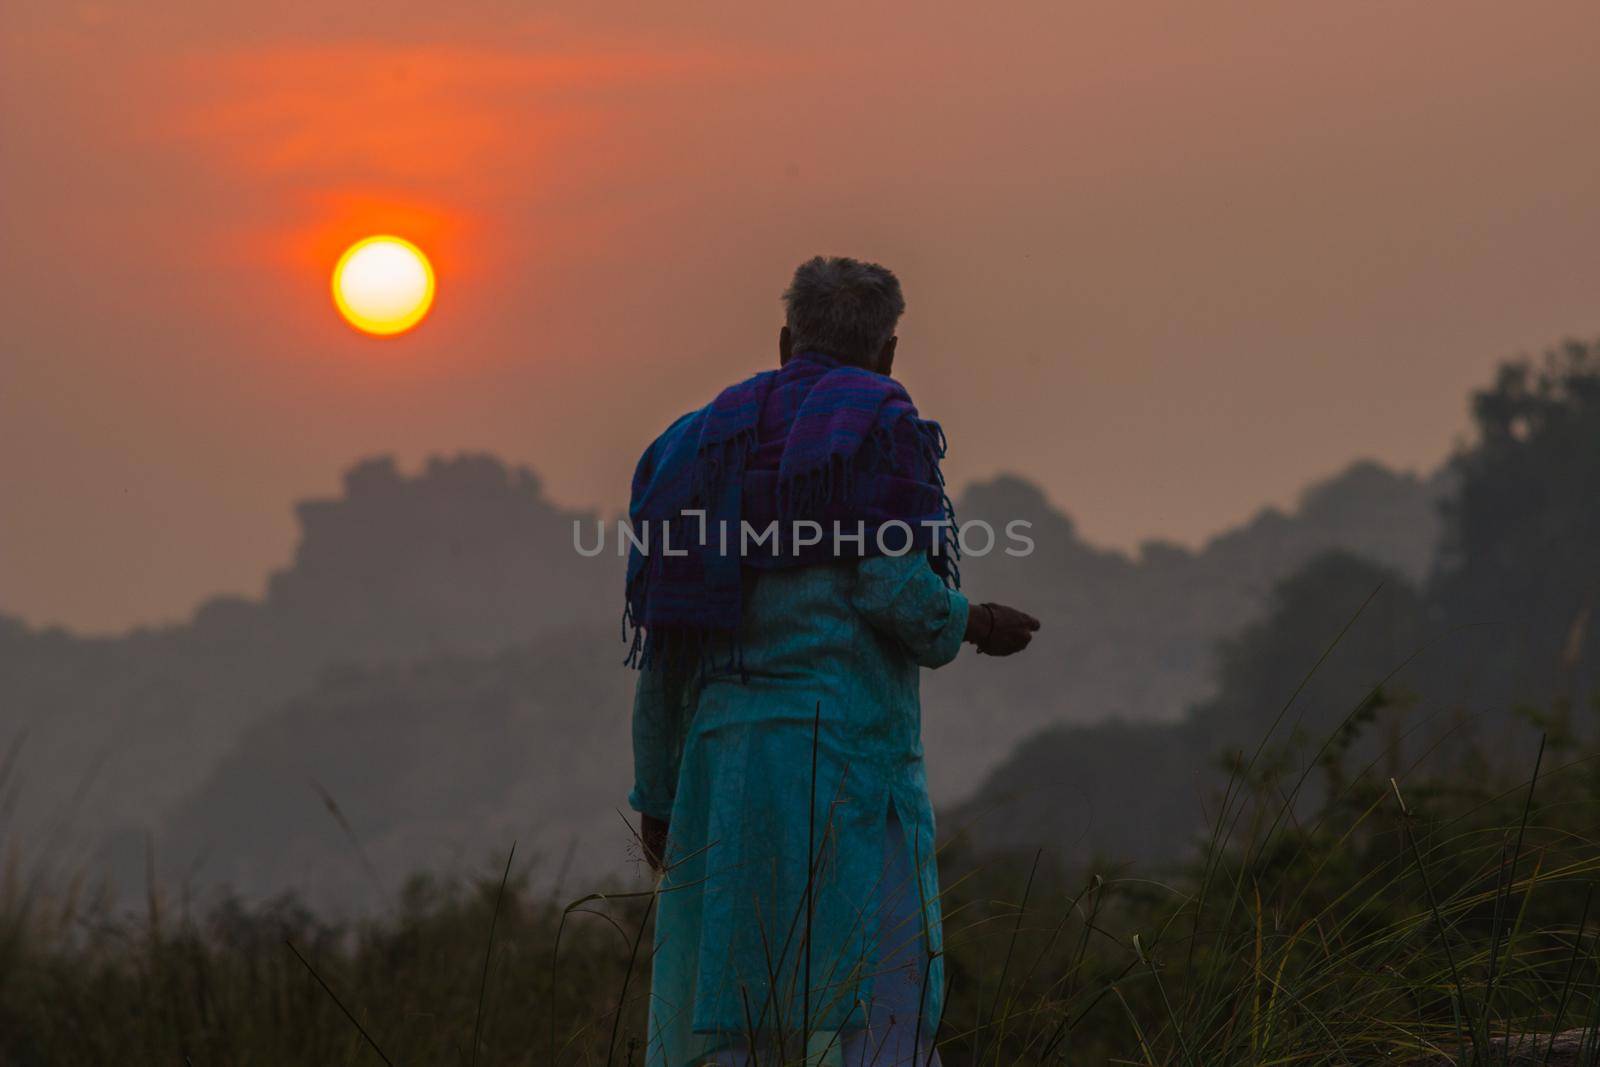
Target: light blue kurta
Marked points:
746	810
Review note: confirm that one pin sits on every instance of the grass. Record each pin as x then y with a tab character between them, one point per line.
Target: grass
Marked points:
1385	931
1415	920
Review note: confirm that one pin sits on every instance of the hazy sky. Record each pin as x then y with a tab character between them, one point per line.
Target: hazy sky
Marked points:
1170	260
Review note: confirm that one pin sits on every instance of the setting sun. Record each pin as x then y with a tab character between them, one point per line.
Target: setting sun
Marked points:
383	285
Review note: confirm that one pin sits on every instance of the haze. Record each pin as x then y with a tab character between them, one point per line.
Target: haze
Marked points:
1168	263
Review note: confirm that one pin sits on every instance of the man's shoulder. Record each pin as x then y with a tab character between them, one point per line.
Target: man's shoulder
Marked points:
662	445
677	424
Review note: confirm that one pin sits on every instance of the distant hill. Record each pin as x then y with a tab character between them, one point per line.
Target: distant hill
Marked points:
450	760
1116	791
1132	638
465	557
439	659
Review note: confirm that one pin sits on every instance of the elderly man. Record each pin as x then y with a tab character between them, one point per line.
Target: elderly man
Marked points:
802	573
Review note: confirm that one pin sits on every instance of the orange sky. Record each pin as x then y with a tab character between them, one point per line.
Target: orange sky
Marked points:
1171	260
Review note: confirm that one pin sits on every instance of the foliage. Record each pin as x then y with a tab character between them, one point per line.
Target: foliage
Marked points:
270	984
1518	569
1399	920
1401	923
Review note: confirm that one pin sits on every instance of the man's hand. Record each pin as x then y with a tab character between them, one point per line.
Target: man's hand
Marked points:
653	840
998	630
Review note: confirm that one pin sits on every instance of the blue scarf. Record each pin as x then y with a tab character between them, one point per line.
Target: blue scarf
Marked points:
815	440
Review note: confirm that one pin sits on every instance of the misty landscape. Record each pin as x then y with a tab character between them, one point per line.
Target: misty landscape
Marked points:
437	676
437	640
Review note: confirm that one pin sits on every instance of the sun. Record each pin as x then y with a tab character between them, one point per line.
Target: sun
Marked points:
383	285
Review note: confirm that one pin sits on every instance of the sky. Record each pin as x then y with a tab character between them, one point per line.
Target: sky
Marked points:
1169	260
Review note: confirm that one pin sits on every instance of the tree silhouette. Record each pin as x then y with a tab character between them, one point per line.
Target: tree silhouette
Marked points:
1519	567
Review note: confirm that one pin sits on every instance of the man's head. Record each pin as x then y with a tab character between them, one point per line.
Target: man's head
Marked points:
843	308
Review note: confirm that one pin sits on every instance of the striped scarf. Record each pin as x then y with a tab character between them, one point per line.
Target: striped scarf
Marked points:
814	441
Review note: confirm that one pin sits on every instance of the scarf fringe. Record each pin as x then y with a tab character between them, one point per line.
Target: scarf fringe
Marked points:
689	653
934	447
717	462
808	494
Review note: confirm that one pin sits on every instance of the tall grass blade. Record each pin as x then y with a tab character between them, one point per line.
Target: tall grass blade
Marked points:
488	953
335	998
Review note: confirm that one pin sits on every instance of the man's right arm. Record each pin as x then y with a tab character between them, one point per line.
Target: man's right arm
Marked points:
902	597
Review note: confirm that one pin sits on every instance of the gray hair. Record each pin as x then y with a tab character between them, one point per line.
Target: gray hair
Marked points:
843	308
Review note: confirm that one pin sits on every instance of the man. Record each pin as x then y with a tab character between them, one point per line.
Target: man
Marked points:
802	573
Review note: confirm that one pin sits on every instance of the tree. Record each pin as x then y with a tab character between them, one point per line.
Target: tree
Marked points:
1519	568
1335	640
